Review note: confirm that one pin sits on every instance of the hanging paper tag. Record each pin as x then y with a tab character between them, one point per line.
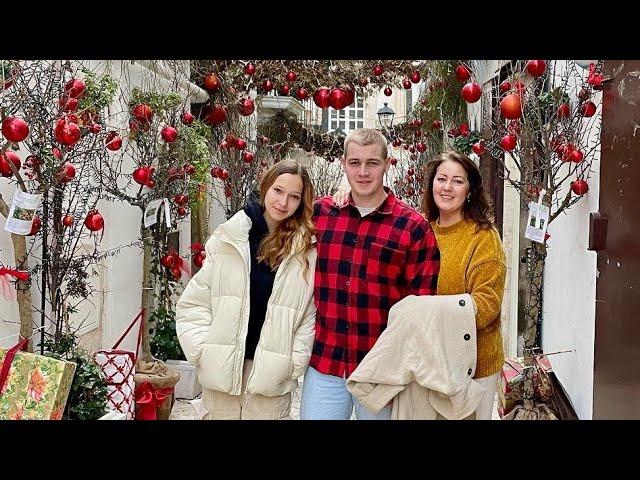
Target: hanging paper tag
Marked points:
151	212
23	209
538	220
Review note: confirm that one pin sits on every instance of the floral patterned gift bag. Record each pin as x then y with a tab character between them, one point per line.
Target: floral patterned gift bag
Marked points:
33	387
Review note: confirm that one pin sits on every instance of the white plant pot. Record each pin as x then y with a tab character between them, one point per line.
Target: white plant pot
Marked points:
188	386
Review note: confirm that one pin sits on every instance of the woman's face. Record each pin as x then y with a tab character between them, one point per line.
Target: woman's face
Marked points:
450	187
283	197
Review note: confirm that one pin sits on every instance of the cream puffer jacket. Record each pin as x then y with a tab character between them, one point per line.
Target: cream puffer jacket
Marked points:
212	317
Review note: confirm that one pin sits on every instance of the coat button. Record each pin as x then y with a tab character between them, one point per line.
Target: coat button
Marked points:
469	372
467	336
461	303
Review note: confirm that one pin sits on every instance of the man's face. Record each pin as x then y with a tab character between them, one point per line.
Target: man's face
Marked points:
365	168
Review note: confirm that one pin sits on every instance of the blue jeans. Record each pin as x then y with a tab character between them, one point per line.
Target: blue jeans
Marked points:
325	397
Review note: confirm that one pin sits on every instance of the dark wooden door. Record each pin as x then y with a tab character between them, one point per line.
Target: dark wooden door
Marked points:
616	392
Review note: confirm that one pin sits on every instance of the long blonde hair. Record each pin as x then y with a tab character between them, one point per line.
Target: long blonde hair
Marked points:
278	244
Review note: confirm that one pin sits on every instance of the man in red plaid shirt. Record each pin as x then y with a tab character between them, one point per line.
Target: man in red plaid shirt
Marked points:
372	251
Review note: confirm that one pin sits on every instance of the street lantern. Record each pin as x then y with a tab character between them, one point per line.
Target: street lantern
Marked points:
385	116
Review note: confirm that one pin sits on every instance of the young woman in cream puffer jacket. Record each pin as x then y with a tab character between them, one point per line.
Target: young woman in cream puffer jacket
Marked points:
212	315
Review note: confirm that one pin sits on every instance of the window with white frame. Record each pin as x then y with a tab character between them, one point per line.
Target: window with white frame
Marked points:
347	119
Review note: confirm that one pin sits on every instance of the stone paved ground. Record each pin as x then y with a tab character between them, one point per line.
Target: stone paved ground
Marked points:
184	410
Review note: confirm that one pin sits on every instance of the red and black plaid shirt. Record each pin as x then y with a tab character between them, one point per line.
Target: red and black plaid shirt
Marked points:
365	265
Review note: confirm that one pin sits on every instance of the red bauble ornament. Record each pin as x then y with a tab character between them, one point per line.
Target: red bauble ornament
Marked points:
240	143
588	109
471	92
169	260
67	133
67	220
143	113
536	67
176	273
284	90
338	98
189	169
95	128
181	211
216	115
436	125
246	106
388	91
94	221
508	142
5	169
169	134
421	147
406	84
113	141
576	156
249	69
378	70
14	129
267	86
142	175
67	172
291	77
579	187
187	118
393	160
74	88
321	97
224	174
302	94
70	105
564	111
181	199
462	73
248	157
511	107
415	77
478	148
211	82
505	86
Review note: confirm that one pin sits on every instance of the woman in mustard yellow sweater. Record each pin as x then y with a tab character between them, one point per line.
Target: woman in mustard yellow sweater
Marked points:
471	256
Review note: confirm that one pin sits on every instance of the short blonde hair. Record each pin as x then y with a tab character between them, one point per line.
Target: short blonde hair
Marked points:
367	136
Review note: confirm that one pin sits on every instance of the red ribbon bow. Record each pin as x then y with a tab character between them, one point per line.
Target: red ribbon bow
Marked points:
17	274
149	399
5	287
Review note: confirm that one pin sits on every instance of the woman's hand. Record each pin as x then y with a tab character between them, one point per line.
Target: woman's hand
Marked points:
341	196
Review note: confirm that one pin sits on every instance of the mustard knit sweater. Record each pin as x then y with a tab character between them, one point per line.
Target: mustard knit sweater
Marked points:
474	263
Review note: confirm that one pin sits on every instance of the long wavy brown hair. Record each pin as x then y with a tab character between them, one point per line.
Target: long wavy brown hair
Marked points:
283	240
478	205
